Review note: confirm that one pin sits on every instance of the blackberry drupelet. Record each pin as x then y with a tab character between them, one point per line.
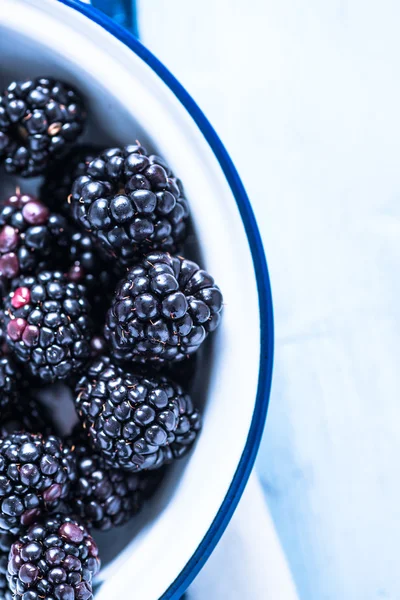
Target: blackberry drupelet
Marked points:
131	203
5	544
56	559
104	497
62	173
48	326
35	475
10	380
135	422
30	236
98	345
163	310
39	120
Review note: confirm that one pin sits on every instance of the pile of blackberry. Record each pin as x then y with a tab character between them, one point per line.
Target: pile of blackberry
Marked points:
96	298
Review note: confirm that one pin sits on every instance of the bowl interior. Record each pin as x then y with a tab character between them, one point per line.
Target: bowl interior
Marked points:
128	101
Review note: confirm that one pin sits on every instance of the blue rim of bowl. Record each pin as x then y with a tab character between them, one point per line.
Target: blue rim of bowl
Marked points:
226	510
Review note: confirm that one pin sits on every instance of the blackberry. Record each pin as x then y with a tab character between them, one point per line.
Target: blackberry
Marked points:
48	325
163	310
62	173
35	475
135	422
39	120
131	203
10	380
55	559
104	497
30	236
5	544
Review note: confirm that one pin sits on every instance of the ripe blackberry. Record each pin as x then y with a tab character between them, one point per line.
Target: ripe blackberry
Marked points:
104	497
48	325
10	380
62	173
135	422
56	558
39	120
5	544
131	203
163	310
35	475
30	236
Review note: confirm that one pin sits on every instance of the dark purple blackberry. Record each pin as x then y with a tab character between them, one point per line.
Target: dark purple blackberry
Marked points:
48	326
10	380
135	422
30	236
35	475
131	203
104	497
61	174
27	416
39	120
163	310
56	559
5	544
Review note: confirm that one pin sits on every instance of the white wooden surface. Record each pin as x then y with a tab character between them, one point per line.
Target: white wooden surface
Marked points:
306	96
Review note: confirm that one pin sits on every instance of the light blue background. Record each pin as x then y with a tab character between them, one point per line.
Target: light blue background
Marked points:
306	96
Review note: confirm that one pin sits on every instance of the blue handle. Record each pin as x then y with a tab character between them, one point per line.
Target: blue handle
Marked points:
122	12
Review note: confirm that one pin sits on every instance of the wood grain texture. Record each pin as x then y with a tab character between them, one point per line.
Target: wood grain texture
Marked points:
306	98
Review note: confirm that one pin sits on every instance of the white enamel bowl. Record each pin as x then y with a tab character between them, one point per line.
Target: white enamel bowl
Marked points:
132	96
